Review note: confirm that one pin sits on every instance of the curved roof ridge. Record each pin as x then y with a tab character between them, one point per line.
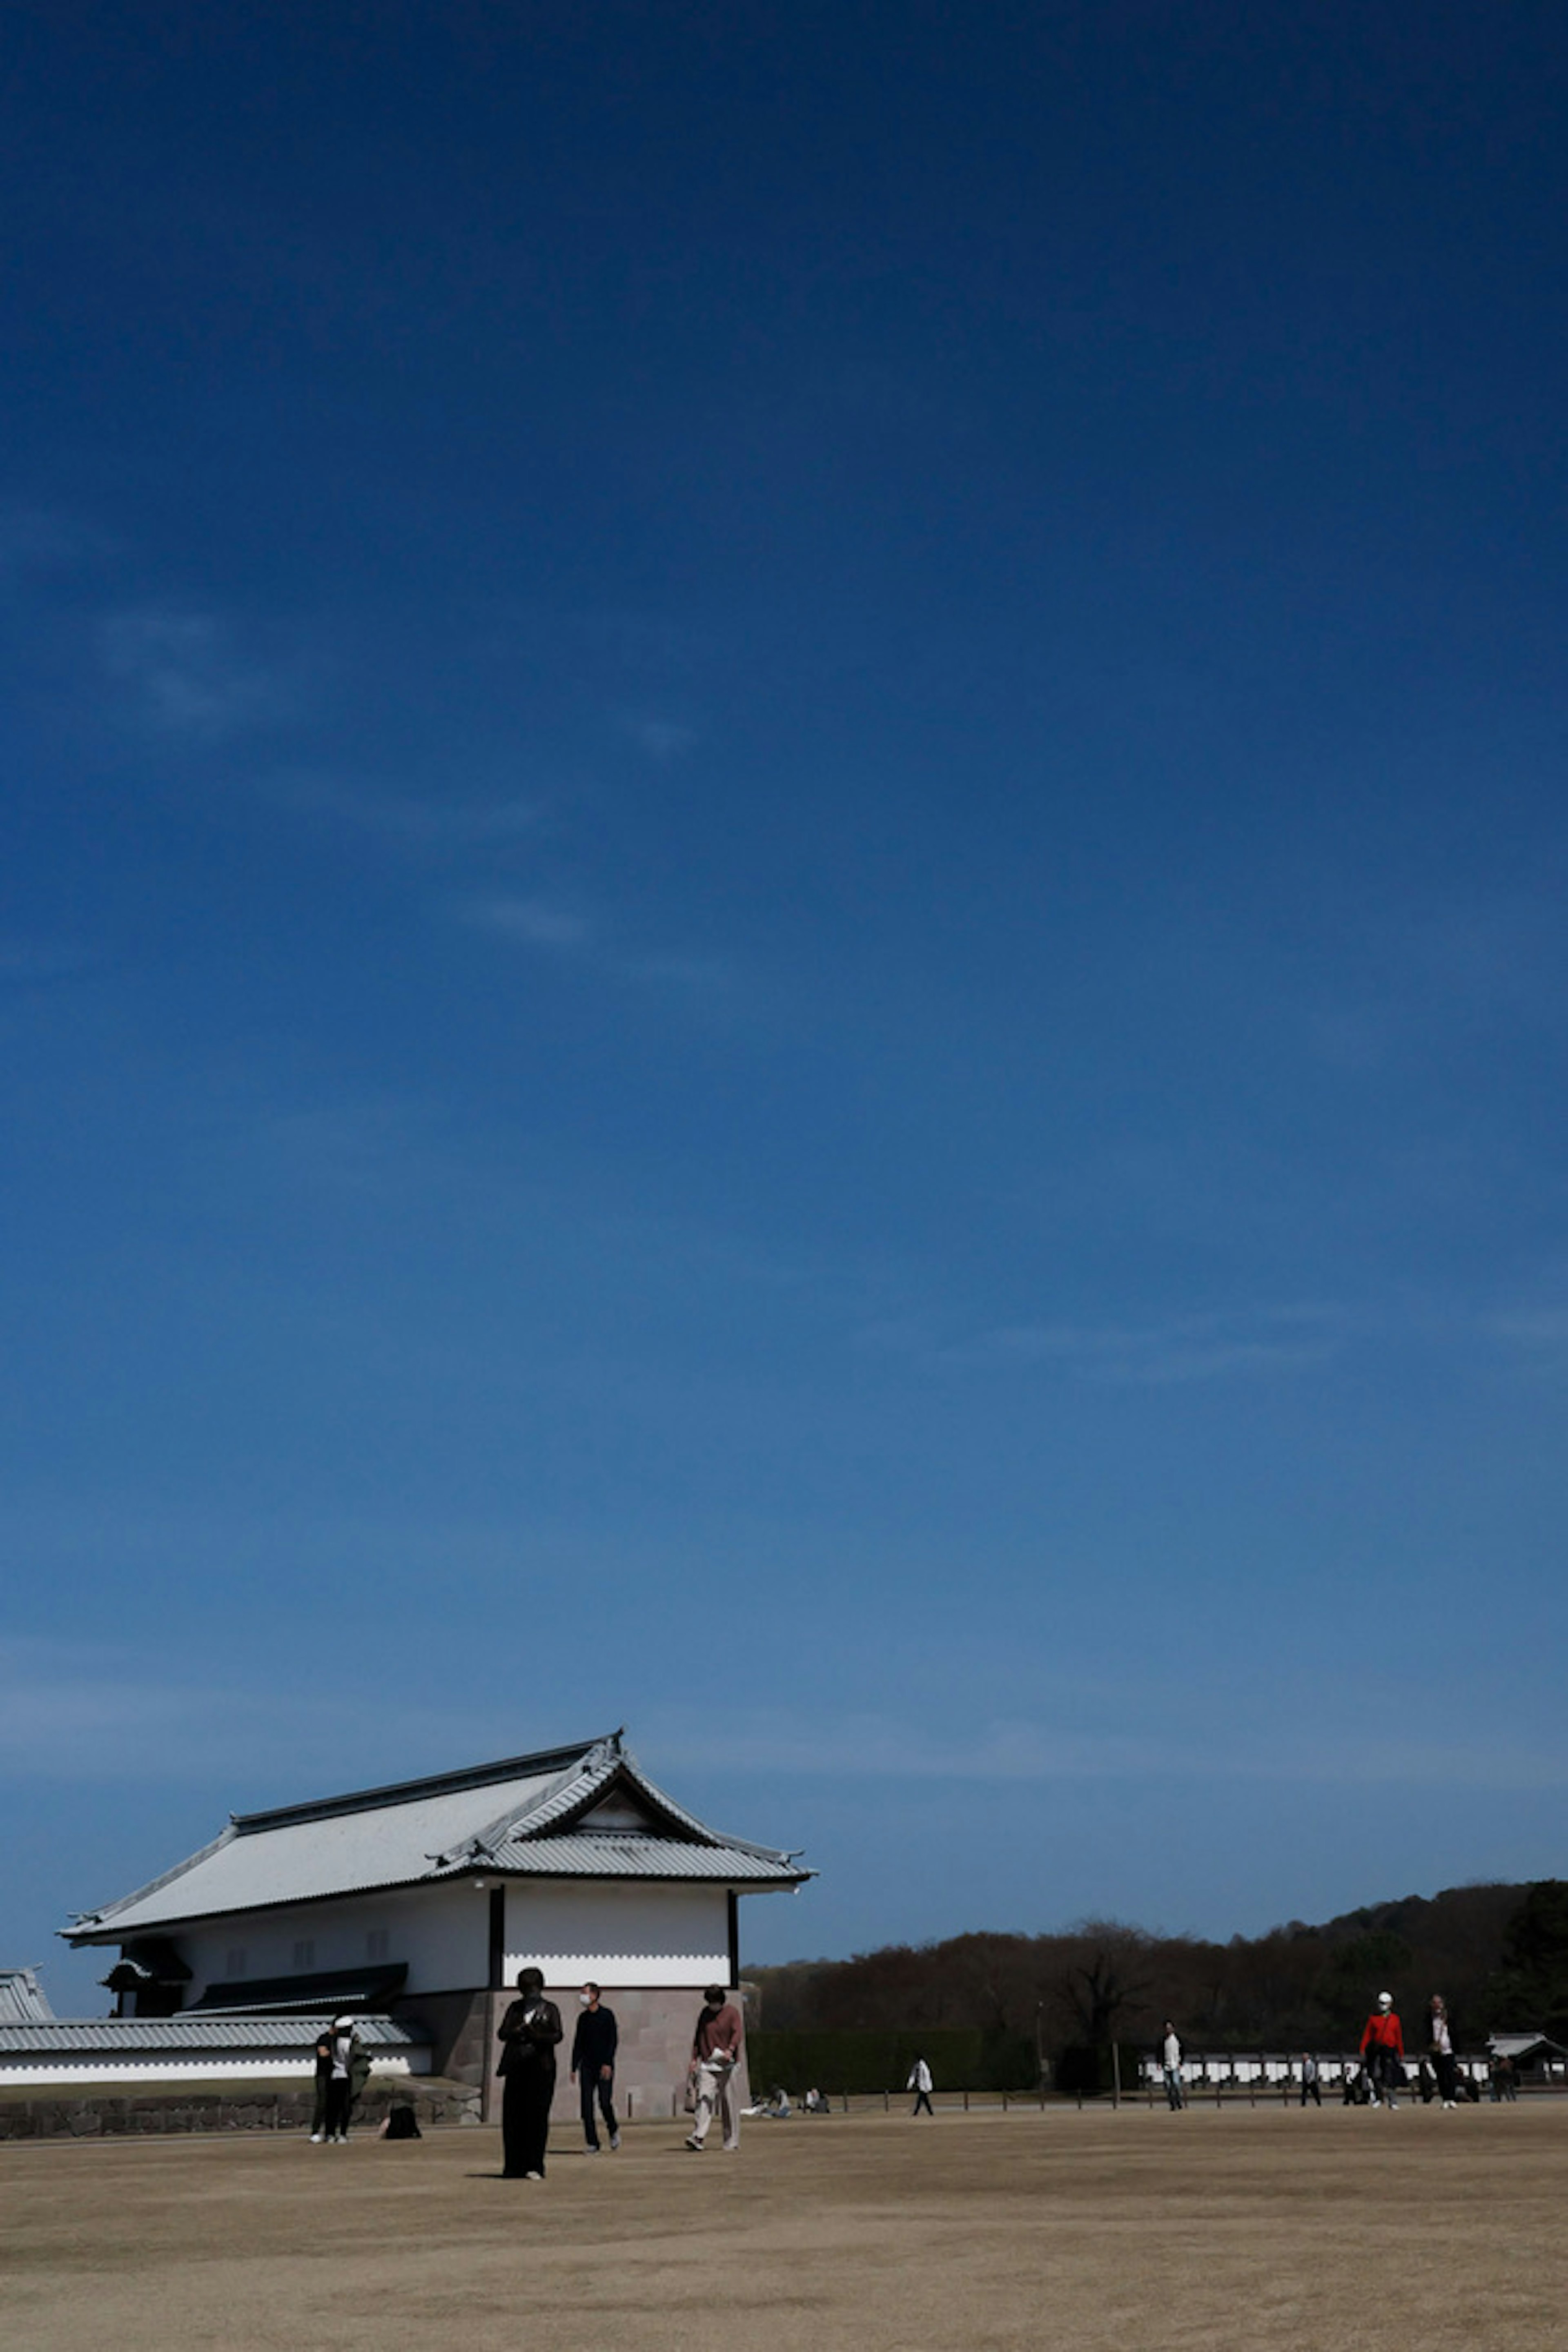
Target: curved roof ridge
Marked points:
563	1760
593	1767
101	1918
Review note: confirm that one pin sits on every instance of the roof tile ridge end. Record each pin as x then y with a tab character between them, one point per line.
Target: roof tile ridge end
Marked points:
598	1759
711	1836
91	1922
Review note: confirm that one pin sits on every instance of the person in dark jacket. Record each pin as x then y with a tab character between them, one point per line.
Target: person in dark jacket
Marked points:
527	2034
343	2069
593	2047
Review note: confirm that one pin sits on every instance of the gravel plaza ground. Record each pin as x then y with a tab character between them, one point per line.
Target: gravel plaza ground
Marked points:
1343	2231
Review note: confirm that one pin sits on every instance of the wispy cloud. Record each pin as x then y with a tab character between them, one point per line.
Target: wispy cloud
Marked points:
536	922
430	820
880	1747
1412	977
1536	1337
883	1748
1200	1347
556	929
182	675
83	1713
35	542
663	740
78	1713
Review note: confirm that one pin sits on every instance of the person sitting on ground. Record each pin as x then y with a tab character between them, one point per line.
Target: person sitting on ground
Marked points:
401	2122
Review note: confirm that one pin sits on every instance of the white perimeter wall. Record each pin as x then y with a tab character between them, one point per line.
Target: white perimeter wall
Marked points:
169	2066
617	1934
442	1932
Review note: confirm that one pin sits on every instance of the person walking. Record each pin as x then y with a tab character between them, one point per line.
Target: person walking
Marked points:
323	2076
715	2055
527	2034
1382	2049
1171	2061
593	2047
919	2084
1309	2086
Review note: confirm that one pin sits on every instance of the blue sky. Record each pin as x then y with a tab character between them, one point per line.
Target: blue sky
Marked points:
781	943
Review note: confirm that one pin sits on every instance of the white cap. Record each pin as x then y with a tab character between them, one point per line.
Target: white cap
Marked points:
340	2022
1385	2001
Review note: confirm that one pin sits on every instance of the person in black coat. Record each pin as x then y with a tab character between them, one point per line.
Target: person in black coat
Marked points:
593	2047
527	2034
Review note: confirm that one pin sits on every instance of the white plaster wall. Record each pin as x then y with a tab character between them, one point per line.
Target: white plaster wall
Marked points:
259	2067
618	1934
442	1932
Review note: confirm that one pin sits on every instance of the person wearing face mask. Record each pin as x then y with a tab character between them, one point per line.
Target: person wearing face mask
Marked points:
1383	2051
593	2047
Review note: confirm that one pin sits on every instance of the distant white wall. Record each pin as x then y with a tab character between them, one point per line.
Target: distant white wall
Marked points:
168	2066
441	1932
618	1934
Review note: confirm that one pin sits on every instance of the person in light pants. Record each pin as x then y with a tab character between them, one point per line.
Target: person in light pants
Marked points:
715	2055
1171	2059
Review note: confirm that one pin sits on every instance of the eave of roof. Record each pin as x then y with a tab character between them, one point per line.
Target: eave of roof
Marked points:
533	1837
564	1858
127	2035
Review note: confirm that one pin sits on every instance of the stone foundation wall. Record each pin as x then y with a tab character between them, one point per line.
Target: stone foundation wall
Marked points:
456	2024
656	2023
111	2115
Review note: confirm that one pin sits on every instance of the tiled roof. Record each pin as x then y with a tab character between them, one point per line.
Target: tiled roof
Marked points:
132	2037
22	2001
325	1990
532	1815
622	1854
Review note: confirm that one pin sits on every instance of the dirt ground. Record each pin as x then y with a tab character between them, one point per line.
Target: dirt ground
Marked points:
1141	2230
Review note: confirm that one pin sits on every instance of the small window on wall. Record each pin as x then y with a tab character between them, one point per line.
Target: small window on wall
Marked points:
377	1944
305	1952
234	1961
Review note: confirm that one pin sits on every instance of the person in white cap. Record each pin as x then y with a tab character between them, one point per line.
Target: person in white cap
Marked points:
1383	2051
345	2071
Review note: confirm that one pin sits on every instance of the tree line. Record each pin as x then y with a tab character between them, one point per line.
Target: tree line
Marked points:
1498	1953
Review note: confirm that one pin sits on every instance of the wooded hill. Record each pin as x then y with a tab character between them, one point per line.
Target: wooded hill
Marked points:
1498	1954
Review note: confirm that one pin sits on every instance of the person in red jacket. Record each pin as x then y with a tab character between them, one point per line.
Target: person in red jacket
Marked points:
1383	2050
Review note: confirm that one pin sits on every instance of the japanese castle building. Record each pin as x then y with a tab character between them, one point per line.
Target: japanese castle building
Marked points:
417	1903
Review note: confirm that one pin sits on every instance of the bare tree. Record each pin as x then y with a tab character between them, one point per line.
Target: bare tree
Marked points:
1104	1978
